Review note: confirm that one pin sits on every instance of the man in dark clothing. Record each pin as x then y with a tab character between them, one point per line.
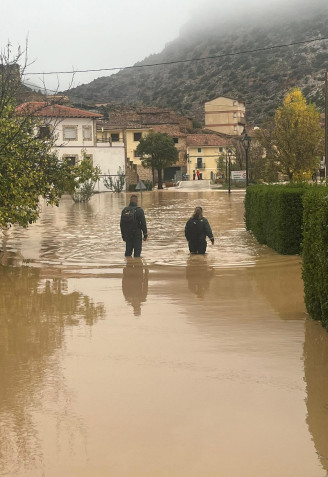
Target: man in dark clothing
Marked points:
133	225
196	230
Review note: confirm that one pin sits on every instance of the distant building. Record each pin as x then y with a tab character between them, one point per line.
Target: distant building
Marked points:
204	152
75	133
225	115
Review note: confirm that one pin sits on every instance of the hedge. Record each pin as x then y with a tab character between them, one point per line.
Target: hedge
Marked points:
315	253
273	213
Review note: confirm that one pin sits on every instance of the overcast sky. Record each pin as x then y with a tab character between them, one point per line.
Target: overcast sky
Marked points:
86	34
81	34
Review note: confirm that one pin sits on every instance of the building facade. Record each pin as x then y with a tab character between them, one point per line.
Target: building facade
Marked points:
225	115
75	134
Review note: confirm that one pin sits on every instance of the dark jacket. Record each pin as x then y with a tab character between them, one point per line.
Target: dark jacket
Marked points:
140	217
198	229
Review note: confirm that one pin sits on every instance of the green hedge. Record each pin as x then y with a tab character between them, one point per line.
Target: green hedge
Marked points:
273	213
315	253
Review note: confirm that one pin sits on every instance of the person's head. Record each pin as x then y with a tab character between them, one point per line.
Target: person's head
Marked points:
134	198
198	213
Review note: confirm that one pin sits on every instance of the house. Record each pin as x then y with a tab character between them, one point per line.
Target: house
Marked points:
75	133
204	152
132	123
225	115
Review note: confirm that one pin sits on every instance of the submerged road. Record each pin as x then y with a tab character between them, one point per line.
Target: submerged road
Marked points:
172	365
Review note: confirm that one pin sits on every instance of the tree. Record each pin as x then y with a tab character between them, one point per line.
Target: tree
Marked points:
29	167
293	141
157	151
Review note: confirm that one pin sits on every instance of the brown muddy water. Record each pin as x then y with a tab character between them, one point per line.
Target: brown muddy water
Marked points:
169	365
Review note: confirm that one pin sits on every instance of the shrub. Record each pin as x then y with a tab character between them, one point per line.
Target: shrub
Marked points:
315	253
84	192
273	213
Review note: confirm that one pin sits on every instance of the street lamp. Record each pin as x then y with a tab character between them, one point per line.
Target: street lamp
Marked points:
246	142
229	152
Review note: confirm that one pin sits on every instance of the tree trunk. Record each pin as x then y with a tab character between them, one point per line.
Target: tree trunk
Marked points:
160	179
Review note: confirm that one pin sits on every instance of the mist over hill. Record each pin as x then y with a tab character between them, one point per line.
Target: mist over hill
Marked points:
261	78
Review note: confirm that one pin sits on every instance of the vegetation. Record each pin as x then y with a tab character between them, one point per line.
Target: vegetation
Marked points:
117	183
314	253
29	168
260	78
293	141
157	151
273	213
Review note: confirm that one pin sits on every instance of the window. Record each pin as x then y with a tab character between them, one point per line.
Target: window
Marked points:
199	163
135	154
235	103
70	159
70	133
234	115
235	128
220	149
44	132
175	140
137	136
89	156
115	137
87	133
199	149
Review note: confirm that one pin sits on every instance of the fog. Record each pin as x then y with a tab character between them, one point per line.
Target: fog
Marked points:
80	35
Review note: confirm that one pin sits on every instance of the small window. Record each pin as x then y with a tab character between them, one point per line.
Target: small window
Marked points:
44	132
235	103
87	133
199	149
175	140
71	160
115	137
137	136
70	133
90	157
220	149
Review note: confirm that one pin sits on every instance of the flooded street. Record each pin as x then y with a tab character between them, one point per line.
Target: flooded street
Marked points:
170	365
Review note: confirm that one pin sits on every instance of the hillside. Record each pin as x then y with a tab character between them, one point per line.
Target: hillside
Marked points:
260	78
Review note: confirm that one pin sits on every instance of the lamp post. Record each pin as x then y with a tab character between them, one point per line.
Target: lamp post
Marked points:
229	152
246	142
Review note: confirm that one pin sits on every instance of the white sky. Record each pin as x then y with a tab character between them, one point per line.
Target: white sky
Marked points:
80	34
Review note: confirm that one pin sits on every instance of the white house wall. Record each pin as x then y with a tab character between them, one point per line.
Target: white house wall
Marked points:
110	159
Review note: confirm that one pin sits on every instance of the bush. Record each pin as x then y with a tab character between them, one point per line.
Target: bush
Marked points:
84	192
273	213
315	253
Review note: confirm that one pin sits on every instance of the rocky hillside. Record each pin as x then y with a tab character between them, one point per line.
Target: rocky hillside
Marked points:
261	78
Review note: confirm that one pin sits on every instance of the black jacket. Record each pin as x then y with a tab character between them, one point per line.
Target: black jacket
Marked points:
198	229
140	217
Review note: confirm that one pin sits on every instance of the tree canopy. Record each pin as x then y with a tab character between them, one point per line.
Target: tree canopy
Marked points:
29	166
157	151
294	140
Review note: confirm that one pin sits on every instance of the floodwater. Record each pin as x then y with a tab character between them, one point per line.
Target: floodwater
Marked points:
168	365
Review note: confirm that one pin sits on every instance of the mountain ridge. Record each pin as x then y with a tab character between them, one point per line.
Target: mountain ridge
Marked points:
260	78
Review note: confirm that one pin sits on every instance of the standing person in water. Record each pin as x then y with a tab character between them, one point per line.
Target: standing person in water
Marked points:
196	230
133	225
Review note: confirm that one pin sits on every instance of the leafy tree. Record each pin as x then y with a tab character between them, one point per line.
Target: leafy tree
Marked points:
29	167
294	139
157	151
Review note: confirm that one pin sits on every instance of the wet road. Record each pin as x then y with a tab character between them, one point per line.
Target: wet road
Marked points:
166	366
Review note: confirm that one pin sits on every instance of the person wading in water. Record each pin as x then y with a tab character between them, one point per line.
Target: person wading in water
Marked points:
133	225
196	230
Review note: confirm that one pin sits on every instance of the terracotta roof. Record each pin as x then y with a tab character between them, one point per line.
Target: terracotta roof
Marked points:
207	140
44	109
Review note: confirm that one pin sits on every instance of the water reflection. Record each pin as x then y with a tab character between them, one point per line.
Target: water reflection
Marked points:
34	312
316	377
135	284
199	275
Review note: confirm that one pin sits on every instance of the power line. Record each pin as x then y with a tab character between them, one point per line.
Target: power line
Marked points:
255	50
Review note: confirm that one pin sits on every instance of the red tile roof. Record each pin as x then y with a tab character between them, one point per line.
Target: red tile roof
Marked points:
44	109
207	140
